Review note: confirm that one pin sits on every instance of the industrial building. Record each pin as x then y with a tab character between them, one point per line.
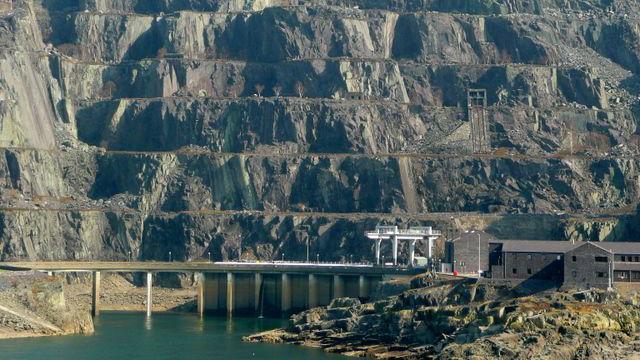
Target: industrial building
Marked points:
569	264
468	253
411	235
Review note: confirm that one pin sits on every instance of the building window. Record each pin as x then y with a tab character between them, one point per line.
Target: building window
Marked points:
529	271
573	258
600	274
637	259
515	271
601	259
623	258
559	257
574	274
529	257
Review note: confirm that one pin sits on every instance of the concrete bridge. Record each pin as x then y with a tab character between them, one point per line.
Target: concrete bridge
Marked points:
243	287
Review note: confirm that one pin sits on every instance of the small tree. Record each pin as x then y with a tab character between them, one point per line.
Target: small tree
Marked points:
277	90
299	88
259	89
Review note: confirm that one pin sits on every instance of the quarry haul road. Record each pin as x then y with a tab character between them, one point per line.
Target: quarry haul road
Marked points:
600	214
413	155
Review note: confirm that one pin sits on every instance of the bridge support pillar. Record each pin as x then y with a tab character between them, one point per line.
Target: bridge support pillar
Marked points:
378	242
394	240
200	278
149	293
257	290
430	250
412	252
230	294
363	287
338	286
95	294
312	301
286	294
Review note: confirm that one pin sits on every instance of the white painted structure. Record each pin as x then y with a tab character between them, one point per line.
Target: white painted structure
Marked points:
412	235
149	290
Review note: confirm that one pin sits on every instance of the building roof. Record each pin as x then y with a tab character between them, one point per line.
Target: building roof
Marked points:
622	248
563	246
538	246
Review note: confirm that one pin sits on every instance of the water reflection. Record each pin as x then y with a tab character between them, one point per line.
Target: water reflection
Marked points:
148	323
199	325
229	326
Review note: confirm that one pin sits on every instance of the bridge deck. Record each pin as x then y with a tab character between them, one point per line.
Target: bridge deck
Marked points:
209	267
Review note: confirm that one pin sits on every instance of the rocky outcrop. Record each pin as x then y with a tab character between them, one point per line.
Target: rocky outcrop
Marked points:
443	319
34	304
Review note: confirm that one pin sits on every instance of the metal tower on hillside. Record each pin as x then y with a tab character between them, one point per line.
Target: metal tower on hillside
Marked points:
477	113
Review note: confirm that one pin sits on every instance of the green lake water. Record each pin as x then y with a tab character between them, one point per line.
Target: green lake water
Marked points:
163	336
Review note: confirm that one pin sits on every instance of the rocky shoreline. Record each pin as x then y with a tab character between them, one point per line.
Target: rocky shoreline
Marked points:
462	319
34	304
119	293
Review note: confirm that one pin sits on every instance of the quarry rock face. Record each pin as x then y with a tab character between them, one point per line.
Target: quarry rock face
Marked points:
133	128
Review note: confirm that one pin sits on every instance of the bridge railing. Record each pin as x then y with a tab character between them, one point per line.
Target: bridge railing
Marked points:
324	263
393	230
427	230
301	262
384	230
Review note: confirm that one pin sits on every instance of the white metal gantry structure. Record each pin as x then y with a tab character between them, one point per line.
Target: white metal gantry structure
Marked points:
412	235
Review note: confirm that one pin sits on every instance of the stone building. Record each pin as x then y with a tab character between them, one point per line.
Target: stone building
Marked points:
626	261
528	259
568	264
463	252
587	265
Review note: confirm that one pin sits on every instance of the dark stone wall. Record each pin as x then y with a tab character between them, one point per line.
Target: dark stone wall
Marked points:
583	271
464	252
535	266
